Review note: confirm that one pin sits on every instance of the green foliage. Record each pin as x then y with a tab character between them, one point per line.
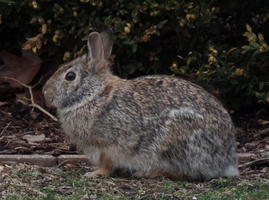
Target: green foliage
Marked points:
208	42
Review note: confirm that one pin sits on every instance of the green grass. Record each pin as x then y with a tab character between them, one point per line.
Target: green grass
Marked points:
249	191
57	184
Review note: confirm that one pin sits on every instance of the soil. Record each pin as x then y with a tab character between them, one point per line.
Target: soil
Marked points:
21	129
19	122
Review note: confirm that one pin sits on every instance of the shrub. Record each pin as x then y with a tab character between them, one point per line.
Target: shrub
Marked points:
207	41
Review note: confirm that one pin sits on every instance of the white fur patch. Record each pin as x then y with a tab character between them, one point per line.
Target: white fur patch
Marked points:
184	111
173	113
231	171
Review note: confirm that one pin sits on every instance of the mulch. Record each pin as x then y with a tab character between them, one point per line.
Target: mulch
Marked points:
20	122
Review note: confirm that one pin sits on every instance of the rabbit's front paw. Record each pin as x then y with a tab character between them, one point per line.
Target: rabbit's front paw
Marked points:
97	173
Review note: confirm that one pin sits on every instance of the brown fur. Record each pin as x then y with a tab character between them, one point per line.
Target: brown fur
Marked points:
151	126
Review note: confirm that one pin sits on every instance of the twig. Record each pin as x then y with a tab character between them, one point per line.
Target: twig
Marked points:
264	132
4	129
33	104
255	162
38	82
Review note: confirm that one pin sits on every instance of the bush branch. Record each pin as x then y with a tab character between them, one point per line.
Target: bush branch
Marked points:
33	104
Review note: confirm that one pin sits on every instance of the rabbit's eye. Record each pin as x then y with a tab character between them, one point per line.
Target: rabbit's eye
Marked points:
70	76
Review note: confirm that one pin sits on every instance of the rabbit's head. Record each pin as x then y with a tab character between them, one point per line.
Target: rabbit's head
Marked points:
77	82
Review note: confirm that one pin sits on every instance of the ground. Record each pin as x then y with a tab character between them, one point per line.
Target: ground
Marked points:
21	182
27	131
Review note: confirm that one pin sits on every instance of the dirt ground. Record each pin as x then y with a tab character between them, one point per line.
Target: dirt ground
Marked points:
27	131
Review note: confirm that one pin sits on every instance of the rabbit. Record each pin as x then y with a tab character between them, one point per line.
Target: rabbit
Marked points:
152	126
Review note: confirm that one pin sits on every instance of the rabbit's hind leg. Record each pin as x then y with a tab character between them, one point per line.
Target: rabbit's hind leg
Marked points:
169	175
105	167
159	174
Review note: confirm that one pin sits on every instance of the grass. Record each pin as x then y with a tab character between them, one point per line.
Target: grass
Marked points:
23	182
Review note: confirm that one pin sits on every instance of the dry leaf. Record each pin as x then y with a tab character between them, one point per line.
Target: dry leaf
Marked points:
44	28
263	122
3	103
34	138
34	42
249	29
22	68
260	37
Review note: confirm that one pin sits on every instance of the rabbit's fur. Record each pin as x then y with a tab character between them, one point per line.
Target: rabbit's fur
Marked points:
151	126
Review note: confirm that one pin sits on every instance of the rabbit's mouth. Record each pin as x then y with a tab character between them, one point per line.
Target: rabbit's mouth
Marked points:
48	96
50	105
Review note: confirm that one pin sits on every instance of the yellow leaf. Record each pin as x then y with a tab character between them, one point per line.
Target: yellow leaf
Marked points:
239	72
75	13
3	103
263	122
249	29
190	16
127	28
34	49
66	56
44	28
231	50
33	43
34	4
212	60
260	36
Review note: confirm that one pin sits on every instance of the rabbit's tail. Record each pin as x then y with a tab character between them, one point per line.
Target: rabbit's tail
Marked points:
231	170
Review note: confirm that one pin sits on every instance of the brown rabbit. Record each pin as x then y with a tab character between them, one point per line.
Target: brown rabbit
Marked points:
151	126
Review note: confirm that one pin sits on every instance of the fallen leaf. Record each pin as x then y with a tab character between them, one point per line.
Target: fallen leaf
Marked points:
34	42
3	103
245	156
22	68
263	122
252	145
34	138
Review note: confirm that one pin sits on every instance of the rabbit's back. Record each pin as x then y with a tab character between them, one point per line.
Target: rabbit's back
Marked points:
166	97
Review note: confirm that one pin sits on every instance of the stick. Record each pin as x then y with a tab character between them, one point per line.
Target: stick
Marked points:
3	130
33	104
255	162
264	132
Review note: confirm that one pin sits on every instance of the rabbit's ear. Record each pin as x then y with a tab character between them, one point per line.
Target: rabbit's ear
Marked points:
107	42
95	46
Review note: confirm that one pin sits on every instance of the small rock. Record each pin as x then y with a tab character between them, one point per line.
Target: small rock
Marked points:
245	156
34	138
265	154
265	170
251	145
1	168
93	196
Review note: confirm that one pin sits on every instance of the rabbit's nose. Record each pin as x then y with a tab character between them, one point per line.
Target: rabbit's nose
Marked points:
48	95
